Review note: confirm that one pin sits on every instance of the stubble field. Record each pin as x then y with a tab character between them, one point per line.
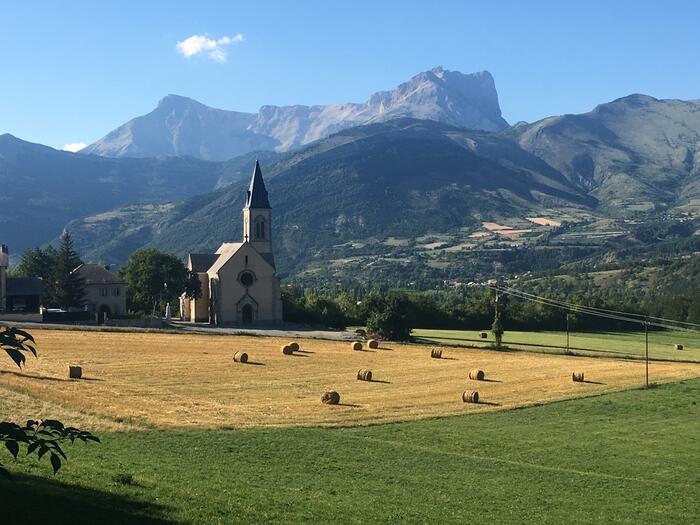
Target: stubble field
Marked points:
147	380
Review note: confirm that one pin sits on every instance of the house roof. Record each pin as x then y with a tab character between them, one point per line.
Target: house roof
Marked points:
256	196
201	262
98	274
24	286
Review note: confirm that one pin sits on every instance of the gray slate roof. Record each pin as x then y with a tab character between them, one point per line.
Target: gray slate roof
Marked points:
98	274
201	262
256	196
24	286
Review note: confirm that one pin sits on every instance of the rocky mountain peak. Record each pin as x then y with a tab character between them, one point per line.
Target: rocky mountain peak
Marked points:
182	126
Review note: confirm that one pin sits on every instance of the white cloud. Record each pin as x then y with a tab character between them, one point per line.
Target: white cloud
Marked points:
214	49
76	146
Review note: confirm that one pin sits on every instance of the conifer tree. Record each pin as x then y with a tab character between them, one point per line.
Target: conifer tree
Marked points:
69	286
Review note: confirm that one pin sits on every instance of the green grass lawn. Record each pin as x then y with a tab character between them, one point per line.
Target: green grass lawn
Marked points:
629	457
615	344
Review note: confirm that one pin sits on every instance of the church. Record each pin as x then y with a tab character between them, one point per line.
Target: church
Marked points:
239	281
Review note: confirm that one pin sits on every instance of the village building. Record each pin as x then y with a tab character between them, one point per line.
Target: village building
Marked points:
105	291
239	282
17	294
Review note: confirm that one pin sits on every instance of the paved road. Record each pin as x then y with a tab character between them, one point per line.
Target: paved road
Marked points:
292	332
180	327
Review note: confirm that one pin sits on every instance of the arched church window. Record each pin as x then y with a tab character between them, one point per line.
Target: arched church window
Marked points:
260	228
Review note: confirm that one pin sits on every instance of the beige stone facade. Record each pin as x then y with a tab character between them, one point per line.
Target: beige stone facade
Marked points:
105	292
239	282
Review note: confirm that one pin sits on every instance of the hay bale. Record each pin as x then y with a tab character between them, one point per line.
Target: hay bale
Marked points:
294	346
75	372
477	374
287	350
679	347
330	398
436	353
373	343
364	374
357	345
484	335
577	377
240	357
470	396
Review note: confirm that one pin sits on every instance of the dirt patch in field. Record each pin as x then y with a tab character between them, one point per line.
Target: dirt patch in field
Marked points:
170	380
494	226
543	221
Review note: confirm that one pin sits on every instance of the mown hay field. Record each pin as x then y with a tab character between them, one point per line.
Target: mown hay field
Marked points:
142	380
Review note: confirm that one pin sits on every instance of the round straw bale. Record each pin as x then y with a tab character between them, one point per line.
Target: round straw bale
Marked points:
330	398
240	357
679	347
75	372
287	350
364	374
436	353
357	345
484	335
577	377
294	346
373	343
477	374
470	396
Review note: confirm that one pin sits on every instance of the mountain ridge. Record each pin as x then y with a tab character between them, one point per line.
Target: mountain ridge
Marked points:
183	126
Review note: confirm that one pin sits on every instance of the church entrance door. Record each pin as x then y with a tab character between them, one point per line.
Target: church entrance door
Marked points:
247	314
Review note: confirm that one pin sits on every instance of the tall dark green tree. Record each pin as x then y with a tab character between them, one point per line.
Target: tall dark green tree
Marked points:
40	263
392	320
69	286
154	278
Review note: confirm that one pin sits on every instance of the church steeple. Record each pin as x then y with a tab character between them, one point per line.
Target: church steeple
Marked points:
256	197
257	214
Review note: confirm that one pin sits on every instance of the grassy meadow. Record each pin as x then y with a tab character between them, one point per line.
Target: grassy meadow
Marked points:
627	457
612	344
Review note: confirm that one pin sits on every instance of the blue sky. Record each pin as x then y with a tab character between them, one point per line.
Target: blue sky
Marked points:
72	71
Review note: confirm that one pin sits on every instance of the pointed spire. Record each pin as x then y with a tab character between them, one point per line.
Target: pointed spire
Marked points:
256	196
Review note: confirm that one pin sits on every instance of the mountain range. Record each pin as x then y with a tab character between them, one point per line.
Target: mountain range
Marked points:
375	174
182	126
404	177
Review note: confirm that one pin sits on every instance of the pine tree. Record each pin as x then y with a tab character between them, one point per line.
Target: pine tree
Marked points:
69	286
40	263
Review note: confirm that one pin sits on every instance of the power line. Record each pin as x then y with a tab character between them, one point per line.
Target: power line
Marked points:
597	312
626	314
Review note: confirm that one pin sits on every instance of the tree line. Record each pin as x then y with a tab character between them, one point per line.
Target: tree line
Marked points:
153	278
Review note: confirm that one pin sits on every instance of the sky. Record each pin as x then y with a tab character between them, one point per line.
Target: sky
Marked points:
71	71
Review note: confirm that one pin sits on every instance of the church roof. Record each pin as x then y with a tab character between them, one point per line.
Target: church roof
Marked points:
229	249
256	196
201	262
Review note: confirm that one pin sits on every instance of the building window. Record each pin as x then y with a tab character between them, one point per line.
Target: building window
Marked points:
260	228
246	278
104	292
116	292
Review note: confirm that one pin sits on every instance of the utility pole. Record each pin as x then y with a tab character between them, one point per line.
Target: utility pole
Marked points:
646	353
568	349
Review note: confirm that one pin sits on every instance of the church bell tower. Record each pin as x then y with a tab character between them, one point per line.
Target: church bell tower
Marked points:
257	214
